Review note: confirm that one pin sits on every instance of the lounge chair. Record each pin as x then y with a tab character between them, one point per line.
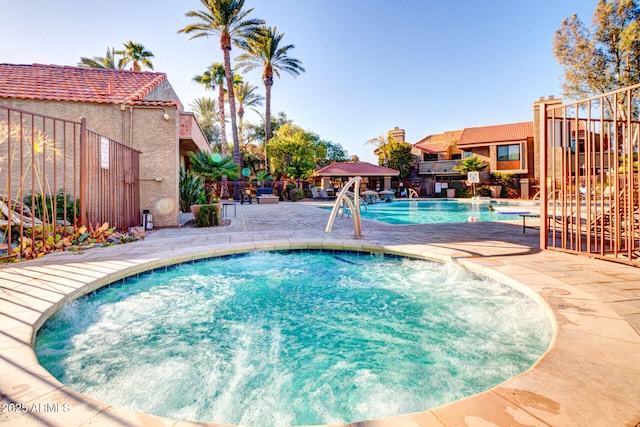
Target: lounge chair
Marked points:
615	221
325	196
314	192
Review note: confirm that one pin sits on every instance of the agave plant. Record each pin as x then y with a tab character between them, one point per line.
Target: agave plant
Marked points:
191	190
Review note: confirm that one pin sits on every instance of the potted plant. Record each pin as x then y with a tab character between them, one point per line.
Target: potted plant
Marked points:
211	167
262	176
504	181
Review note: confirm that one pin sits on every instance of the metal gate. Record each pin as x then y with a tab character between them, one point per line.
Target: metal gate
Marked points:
56	174
589	161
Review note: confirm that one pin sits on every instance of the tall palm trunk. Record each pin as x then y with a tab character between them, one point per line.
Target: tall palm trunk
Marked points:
225	44
223	125
240	124
224	191
268	82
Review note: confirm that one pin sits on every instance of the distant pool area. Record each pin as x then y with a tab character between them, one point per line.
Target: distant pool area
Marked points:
443	211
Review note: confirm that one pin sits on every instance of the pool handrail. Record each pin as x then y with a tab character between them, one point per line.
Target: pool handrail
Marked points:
353	205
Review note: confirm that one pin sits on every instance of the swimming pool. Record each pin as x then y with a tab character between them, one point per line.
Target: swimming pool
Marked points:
429	212
290	338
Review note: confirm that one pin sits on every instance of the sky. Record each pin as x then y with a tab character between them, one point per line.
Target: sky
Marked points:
424	66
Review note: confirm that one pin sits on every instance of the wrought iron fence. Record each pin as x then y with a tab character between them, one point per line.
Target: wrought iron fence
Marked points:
56	175
589	161
111	189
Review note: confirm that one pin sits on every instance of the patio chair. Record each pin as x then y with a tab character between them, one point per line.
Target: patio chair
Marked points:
325	196
242	196
314	192
614	218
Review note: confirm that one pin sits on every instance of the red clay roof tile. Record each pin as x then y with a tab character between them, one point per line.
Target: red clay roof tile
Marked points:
79	84
450	137
498	133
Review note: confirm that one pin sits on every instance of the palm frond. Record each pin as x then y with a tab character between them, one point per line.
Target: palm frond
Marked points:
106	62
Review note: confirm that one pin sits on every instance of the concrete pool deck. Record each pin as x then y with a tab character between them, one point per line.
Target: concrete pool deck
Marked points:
589	376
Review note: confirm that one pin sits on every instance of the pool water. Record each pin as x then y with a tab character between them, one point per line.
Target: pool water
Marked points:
429	212
292	338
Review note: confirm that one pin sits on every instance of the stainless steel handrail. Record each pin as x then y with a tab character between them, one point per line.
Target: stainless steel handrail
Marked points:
353	205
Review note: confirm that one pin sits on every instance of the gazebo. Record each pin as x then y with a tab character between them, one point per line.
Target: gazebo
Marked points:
373	176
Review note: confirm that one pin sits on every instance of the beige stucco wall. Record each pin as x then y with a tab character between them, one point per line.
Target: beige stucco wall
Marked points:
536	136
155	137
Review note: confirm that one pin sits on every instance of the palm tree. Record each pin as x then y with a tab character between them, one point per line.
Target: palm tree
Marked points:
212	167
227	19
266	51
381	142
215	76
247	98
108	62
470	164
206	111
135	53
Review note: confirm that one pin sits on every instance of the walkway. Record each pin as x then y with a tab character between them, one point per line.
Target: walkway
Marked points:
590	376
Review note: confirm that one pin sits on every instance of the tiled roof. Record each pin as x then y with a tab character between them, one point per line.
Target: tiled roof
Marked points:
79	84
498	133
355	169
438	143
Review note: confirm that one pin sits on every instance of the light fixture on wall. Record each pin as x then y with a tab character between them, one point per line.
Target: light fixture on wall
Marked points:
123	107
165	114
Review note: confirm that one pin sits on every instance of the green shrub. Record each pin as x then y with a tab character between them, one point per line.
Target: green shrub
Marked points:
464	192
208	215
35	203
296	195
483	191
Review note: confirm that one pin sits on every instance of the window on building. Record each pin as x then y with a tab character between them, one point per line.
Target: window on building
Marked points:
456	156
427	157
466	154
508	153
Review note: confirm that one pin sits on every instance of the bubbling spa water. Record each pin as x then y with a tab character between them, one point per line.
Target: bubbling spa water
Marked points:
292	338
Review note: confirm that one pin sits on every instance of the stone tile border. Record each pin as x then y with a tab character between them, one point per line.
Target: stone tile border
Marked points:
589	376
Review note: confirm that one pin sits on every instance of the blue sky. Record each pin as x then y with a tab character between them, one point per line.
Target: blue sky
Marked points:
424	66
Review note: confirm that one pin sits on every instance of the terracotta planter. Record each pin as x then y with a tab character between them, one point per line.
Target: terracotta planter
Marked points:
194	209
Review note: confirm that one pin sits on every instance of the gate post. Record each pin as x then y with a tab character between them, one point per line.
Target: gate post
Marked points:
83	171
543	176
